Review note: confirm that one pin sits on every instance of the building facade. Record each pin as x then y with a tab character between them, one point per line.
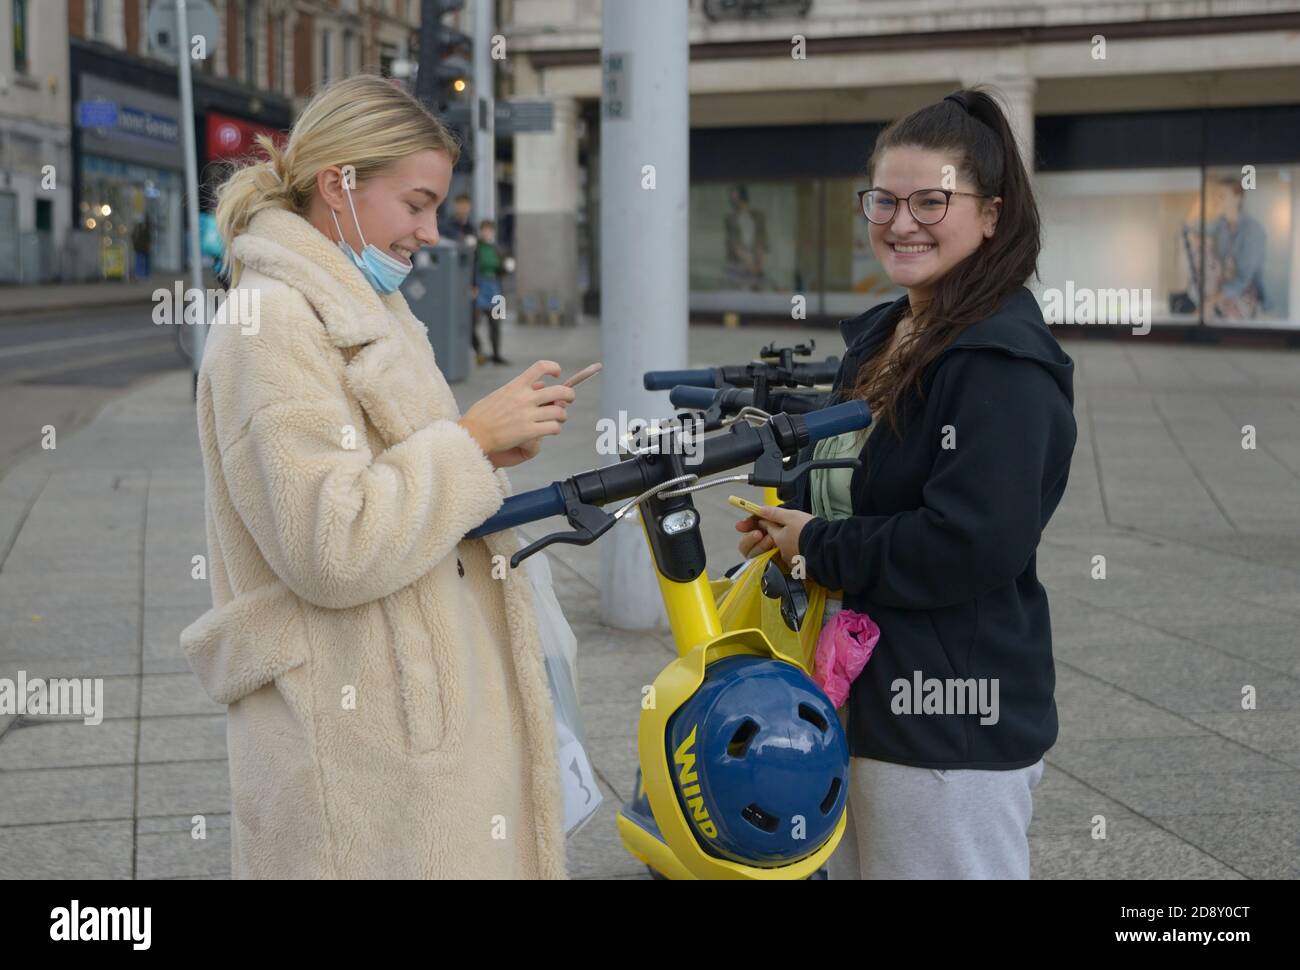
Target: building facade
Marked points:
36	174
268	58
1158	134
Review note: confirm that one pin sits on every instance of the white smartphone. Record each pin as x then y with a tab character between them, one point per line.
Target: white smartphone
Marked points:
591	370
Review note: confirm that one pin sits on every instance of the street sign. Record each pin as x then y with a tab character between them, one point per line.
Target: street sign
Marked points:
616	90
511	117
161	28
514	117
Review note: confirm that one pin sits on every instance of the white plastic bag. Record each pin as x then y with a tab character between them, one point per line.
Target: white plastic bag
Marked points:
560	650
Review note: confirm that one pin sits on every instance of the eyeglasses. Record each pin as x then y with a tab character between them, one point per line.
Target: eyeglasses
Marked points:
928	206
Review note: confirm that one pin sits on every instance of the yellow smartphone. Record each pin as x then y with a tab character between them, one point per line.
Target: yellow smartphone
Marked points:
745	505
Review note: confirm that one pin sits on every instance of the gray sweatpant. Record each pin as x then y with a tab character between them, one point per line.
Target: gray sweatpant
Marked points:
922	823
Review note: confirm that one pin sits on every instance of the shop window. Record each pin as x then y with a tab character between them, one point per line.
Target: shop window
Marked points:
1239	257
753	245
1206	247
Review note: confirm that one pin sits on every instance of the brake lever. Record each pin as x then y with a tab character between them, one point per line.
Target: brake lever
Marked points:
592	522
798	471
770	470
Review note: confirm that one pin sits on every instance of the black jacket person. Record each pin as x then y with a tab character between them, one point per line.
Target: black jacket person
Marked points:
941	548
935	536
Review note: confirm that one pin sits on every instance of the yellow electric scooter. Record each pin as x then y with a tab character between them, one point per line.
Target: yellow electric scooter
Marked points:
667	824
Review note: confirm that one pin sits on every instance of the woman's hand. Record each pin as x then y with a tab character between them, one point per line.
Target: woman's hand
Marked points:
519	413
755	540
517	455
520	454
782	527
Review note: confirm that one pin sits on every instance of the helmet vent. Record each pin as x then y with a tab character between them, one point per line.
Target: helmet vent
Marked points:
758	818
812	716
831	795
740	740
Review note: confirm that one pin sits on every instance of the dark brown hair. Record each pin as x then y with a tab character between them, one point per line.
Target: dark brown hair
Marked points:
971	126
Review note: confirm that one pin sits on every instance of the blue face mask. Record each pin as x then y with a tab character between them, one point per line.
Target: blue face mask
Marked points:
384	271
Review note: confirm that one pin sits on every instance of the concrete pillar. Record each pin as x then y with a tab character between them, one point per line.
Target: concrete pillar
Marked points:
644	229
546	212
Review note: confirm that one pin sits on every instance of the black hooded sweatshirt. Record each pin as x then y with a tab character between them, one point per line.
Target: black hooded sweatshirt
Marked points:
940	549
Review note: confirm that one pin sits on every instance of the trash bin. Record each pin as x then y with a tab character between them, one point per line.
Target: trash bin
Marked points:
437	289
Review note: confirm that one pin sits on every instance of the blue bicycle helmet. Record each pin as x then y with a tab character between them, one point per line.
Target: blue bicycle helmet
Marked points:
759	761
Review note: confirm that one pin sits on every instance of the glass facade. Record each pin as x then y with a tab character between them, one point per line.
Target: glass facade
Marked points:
1209	249
1206	242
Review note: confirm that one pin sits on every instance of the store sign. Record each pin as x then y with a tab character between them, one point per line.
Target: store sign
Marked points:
146	124
128	123
719	10
107	115
230	137
96	114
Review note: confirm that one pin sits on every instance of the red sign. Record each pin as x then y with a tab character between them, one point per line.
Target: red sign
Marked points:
233	137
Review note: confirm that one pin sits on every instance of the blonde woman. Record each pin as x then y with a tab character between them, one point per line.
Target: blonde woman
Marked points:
388	713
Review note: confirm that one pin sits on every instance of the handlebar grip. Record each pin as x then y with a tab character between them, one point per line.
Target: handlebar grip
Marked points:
685	396
821	373
663	380
828	422
540	503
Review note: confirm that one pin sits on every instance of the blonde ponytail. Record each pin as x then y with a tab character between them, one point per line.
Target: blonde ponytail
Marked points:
363	121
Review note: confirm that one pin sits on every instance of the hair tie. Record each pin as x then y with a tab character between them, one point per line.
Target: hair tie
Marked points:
959	100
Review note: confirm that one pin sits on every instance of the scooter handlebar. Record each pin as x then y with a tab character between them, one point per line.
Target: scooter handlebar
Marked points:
686	396
828	422
520	509
623	479
730	400
662	380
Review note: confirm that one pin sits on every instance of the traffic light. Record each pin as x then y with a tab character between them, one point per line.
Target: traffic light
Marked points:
444	77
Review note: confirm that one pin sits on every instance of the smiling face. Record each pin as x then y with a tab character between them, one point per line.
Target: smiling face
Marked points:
397	207
917	256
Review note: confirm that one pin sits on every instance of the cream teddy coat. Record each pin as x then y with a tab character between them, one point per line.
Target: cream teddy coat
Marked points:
389	714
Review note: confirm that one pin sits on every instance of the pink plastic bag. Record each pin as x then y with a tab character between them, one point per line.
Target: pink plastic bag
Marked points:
843	649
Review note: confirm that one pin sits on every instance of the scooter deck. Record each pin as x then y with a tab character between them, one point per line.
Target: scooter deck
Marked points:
642	839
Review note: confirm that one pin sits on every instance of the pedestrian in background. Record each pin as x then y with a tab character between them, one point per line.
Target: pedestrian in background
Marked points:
458	224
489	265
142	243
